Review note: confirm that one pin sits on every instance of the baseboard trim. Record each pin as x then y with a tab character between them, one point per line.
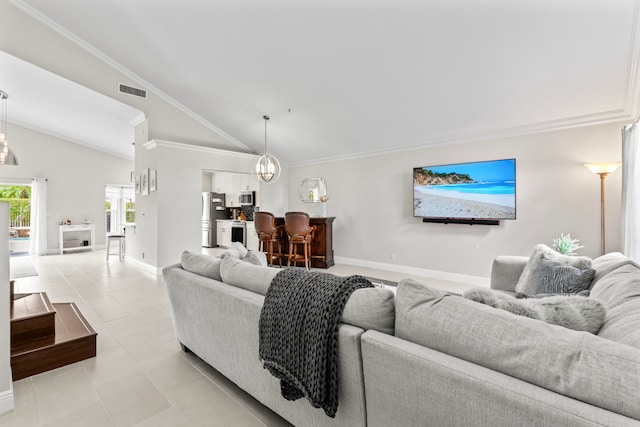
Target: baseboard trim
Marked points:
147	267
6	400
414	271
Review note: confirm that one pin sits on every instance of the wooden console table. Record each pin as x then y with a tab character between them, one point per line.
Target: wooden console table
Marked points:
322	245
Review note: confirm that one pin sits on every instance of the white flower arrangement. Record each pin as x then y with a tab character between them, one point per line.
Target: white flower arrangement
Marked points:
566	245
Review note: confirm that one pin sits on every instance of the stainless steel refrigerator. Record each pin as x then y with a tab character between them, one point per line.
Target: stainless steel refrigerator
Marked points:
212	209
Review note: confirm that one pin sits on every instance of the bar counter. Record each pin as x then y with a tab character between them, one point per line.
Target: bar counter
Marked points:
322	244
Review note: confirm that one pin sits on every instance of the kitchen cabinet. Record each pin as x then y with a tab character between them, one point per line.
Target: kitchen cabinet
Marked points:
232	183
224	233
252	237
222	182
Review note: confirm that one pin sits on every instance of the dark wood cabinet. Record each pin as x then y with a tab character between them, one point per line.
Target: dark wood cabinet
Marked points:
322	246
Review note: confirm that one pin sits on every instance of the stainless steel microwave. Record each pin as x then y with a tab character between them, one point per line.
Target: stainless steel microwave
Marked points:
247	198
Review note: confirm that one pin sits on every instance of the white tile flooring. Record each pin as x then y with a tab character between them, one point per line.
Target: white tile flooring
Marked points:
140	376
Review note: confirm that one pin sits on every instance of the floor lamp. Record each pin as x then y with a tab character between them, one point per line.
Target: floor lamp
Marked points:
602	169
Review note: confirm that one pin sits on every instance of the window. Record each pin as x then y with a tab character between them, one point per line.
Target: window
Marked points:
120	208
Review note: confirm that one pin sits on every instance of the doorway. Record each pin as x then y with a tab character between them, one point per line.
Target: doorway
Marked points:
19	199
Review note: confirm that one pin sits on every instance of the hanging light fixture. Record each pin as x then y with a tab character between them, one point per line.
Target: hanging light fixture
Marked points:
267	168
6	156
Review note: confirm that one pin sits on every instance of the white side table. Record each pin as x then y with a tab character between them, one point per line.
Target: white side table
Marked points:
71	237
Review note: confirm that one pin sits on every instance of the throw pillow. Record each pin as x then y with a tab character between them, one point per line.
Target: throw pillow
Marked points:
236	250
256	258
204	265
551	277
544	269
573	312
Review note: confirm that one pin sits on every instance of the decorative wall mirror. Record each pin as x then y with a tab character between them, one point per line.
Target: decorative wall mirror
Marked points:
313	190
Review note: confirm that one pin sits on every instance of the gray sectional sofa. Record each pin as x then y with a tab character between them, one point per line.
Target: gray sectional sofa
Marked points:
422	357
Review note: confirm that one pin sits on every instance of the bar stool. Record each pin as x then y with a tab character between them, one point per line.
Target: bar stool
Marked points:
120	238
269	234
300	233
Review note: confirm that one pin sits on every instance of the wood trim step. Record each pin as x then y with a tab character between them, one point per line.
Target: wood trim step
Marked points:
32	321
74	340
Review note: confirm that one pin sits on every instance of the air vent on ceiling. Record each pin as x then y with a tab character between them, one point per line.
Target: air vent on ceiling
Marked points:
141	93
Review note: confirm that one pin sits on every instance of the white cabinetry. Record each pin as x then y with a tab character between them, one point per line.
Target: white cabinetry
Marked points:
252	237
244	182
232	183
223	233
76	237
222	182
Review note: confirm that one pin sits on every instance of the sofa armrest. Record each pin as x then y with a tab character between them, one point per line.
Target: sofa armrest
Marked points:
506	271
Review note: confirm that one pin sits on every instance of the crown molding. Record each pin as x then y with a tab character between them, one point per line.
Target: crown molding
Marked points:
138	119
34	13
159	143
613	116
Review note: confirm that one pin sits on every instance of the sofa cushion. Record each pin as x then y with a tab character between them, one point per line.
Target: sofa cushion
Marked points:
619	291
545	273
255	278
204	265
571	311
371	308
605	264
577	364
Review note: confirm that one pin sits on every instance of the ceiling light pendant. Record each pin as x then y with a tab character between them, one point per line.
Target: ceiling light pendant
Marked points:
6	156
4	143
267	168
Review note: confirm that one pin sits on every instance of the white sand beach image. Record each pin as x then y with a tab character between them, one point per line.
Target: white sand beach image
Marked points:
431	202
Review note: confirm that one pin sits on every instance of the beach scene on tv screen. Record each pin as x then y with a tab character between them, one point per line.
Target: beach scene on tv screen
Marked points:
466	190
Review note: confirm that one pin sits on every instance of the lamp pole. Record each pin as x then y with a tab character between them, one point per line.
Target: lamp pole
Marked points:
602	169
603	176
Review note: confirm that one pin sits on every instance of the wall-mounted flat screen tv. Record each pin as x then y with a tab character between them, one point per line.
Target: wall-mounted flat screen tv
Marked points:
477	190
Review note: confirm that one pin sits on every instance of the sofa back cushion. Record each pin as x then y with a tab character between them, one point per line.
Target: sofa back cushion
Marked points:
241	274
204	265
605	264
619	291
369	308
577	364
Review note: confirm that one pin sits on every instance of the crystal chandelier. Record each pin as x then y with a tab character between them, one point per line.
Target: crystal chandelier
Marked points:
267	168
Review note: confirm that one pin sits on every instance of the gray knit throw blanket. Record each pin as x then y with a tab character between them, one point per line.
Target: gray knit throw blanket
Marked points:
299	333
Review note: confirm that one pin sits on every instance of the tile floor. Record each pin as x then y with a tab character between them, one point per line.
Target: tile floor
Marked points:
140	376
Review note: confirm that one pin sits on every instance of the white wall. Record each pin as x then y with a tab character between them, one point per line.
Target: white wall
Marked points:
172	214
76	178
6	391
371	198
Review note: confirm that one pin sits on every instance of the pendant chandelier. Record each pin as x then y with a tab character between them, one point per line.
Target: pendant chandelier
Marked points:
267	168
4	143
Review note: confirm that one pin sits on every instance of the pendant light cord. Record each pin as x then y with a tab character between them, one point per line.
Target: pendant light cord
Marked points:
266	118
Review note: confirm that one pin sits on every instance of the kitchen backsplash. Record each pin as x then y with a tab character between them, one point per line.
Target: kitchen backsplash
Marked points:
246	210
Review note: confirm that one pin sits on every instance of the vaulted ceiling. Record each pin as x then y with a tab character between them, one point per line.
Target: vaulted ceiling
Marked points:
343	78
